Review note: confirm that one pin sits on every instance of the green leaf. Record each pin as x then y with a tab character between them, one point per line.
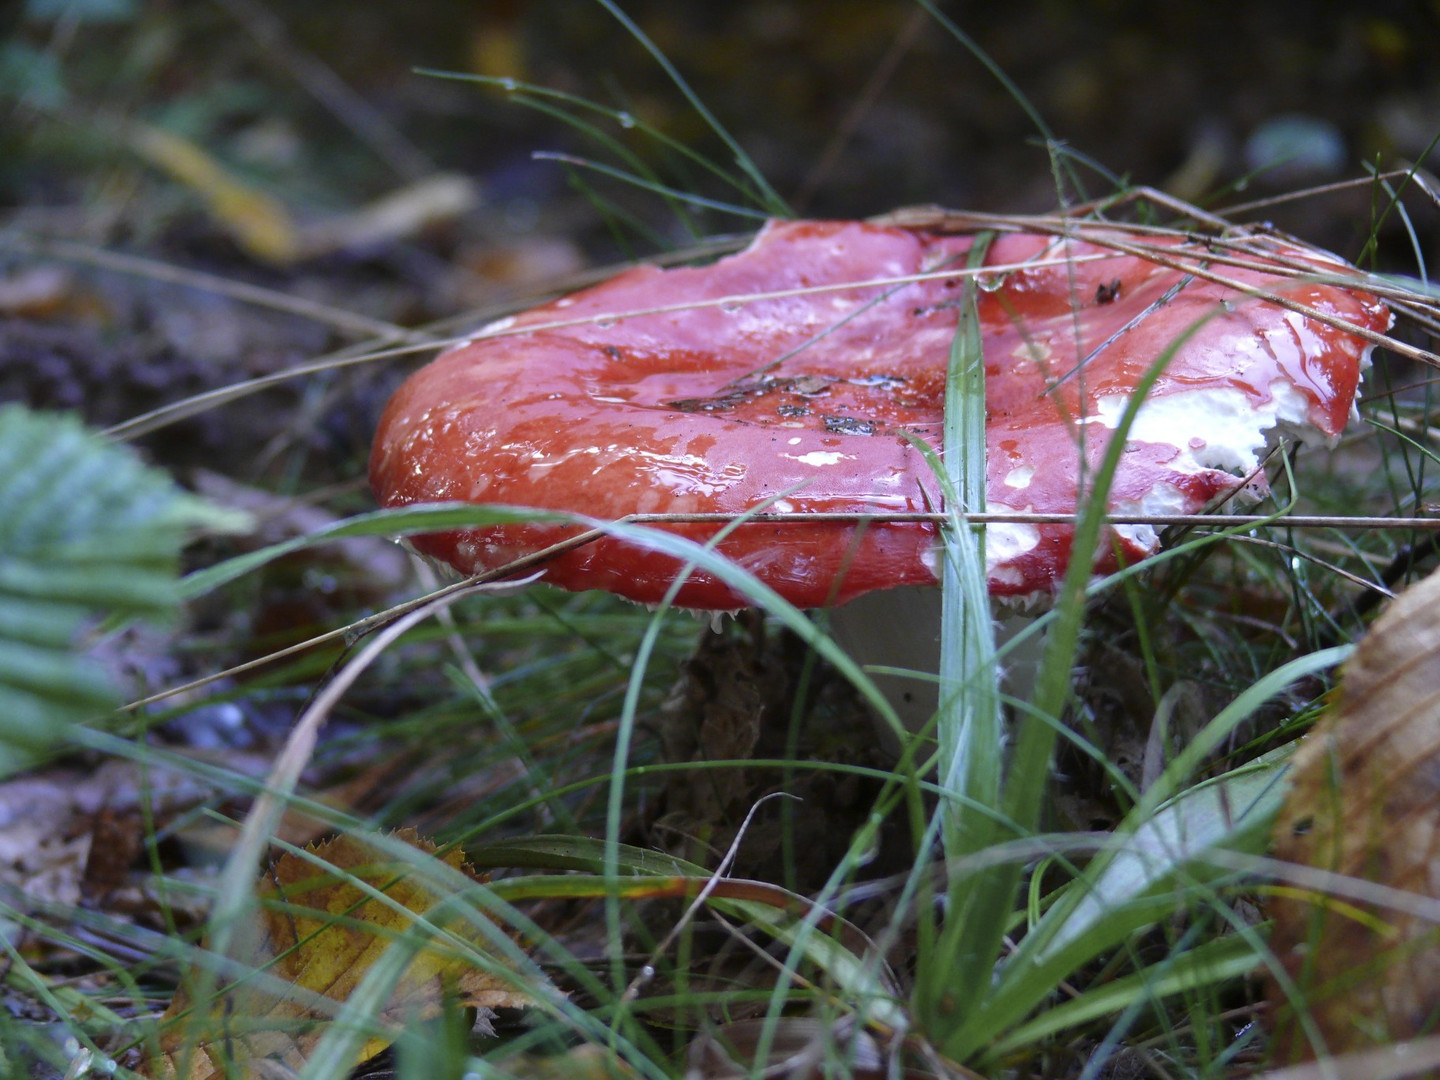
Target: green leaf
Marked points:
86	532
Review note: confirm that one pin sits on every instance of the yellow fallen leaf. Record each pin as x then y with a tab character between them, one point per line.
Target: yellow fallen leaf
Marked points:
264	228
1365	804
258	223
319	930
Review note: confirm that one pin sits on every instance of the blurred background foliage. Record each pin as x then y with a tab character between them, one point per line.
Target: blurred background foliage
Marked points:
320	103
244	139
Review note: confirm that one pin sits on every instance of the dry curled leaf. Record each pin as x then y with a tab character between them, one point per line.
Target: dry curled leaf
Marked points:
1365	807
319	929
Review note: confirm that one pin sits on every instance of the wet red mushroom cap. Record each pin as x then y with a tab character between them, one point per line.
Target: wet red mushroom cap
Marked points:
804	398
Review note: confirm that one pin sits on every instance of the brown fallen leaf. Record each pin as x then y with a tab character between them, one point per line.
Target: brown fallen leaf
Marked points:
317	935
1365	804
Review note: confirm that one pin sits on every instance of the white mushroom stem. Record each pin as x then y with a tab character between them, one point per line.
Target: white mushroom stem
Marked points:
900	628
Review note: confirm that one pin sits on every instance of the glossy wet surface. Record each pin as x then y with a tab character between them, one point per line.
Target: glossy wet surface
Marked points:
622	399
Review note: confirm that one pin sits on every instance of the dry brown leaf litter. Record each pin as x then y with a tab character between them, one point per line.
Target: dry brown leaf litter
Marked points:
1366	805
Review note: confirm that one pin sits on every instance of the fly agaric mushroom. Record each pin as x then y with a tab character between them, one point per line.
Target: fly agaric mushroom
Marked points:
790	374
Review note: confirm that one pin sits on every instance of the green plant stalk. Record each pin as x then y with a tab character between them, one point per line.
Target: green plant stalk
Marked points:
770	197
1207	965
970	722
971	970
969	727
533	95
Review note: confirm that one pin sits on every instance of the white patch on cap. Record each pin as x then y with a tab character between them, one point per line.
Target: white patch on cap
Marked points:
1020	478
930	559
1215	428
817	458
1160	500
1006	541
1006	575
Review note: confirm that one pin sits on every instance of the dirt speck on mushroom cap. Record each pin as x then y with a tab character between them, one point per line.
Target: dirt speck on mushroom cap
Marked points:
805	397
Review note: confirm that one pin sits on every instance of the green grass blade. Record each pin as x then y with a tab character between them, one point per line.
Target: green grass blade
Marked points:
1038	727
1158	849
408	520
670	194
969	728
772	201
535	96
1205	966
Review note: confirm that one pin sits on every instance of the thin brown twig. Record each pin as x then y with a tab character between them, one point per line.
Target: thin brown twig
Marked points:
1098	233
1310	312
1224	521
1312	192
1290	549
865	101
1210	246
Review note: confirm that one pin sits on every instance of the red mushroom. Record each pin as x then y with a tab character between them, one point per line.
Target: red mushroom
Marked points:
788	375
